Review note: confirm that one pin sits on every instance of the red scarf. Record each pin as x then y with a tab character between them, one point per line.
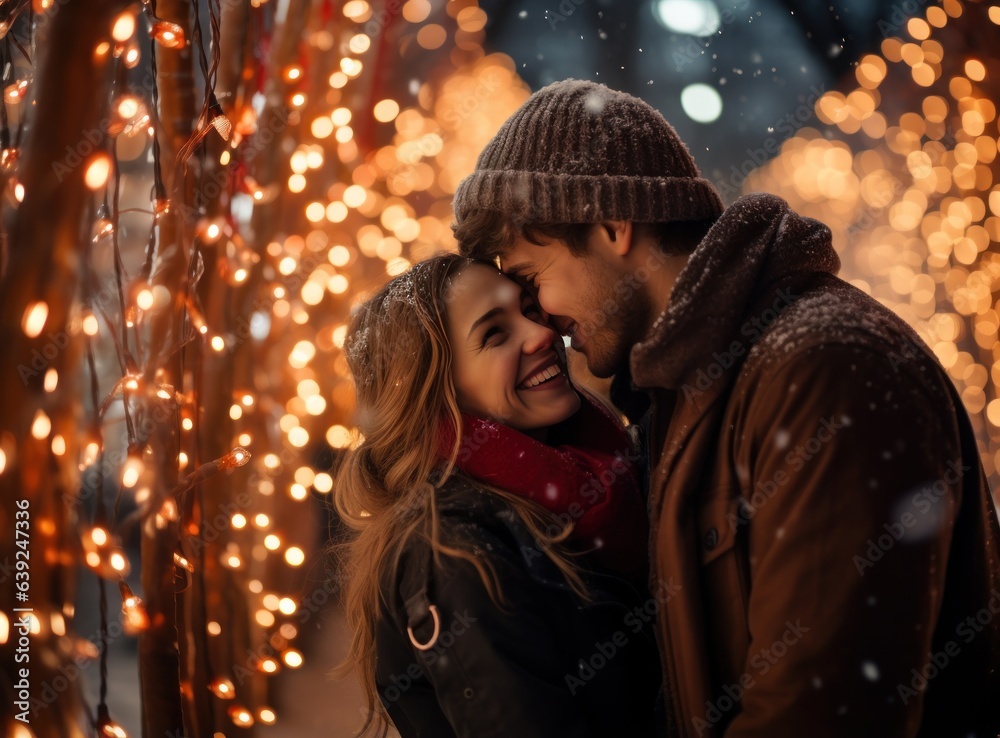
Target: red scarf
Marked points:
589	478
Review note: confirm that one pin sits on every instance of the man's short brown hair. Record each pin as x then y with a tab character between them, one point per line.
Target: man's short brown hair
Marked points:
487	235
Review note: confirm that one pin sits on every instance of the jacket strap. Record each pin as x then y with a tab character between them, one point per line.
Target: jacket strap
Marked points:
419	609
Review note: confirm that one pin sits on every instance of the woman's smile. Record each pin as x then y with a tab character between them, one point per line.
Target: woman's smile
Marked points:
509	363
551	376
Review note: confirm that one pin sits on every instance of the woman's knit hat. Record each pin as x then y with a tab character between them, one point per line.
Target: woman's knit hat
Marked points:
579	152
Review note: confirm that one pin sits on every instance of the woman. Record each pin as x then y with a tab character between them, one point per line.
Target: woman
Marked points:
500	533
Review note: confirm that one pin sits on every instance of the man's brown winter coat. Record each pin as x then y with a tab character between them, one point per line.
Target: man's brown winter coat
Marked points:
817	495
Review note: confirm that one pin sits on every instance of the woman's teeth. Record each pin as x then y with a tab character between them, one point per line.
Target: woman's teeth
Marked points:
543	376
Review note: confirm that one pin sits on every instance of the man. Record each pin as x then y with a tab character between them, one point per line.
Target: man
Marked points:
815	487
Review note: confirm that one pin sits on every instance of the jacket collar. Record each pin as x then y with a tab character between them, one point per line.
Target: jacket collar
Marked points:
734	284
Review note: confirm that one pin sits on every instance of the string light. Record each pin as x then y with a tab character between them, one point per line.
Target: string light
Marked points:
235	458
335	269
223	689
123	27
912	197
182	562
131	471
167	34
217	118
8	159
240	716
110	729
13	93
98	171
136	619
41	426
34	319
292	658
294	556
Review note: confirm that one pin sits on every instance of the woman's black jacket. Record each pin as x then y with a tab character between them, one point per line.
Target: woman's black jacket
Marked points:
542	663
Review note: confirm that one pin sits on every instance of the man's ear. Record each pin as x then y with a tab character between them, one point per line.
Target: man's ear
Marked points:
616	234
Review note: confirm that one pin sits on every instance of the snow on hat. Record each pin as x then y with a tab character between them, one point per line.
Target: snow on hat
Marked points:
579	152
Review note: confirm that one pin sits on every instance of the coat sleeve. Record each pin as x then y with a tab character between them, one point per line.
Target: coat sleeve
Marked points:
853	472
496	669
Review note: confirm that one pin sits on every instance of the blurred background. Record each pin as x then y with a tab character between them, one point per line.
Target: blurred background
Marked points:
347	127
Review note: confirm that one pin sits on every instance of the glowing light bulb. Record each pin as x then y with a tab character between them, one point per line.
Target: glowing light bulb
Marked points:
131	471
134	611
110	729
240	716
167	34
144	300
223	689
294	556
386	110
118	562
235	458
90	325
41	426
123	27
98	171
34	319
341	116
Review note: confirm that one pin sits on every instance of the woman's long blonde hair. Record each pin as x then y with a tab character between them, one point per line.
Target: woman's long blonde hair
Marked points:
400	358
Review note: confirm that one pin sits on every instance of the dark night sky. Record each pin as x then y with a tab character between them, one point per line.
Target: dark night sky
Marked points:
768	60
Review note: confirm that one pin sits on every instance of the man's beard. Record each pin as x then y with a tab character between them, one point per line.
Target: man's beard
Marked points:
610	345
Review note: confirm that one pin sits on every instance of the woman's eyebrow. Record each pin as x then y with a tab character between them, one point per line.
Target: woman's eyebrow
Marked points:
483	318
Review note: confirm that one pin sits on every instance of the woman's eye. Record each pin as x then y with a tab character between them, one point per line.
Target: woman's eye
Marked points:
494	331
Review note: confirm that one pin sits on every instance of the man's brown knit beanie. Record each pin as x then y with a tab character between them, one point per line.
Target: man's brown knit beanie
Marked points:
579	152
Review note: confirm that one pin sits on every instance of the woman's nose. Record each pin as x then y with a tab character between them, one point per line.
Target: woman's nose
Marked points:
539	337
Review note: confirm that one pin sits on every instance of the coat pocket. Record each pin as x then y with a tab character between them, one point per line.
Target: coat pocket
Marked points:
719	521
725	590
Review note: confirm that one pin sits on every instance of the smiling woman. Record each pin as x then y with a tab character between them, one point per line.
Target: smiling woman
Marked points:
508	364
499	532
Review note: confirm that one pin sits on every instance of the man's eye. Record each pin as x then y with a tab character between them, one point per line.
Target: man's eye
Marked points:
526	280
532	311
